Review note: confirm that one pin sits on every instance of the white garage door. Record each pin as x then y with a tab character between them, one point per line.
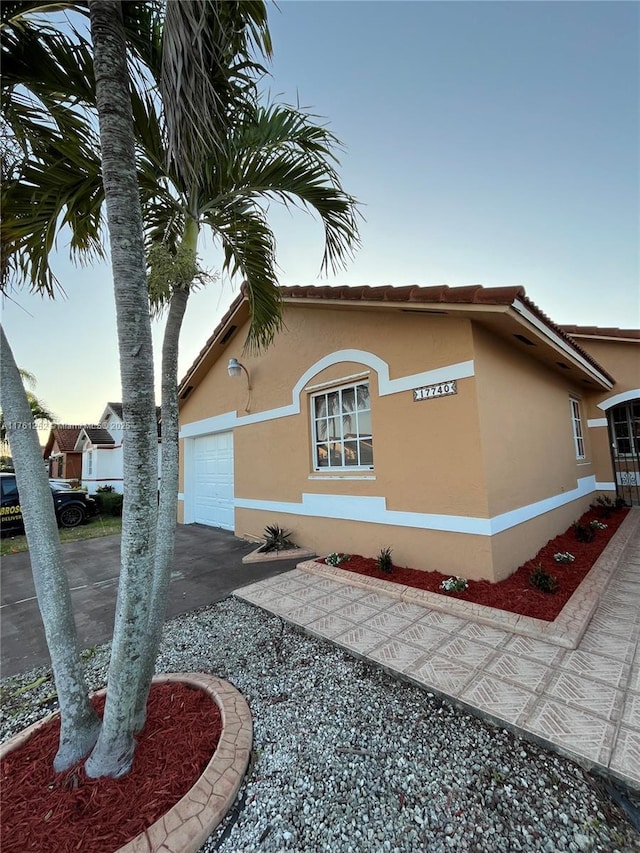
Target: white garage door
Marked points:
213	481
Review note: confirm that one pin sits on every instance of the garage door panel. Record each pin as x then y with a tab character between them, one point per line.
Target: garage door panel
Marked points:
213	480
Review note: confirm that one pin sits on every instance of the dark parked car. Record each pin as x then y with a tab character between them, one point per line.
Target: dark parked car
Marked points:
72	506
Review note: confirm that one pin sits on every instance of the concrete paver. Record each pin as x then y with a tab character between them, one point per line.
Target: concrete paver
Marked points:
573	685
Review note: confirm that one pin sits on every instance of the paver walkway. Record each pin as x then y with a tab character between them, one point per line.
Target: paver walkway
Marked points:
581	701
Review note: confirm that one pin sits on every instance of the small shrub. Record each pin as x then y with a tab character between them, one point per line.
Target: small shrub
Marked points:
597	525
563	557
105	490
543	580
604	506
383	560
109	503
276	538
335	559
456	584
583	532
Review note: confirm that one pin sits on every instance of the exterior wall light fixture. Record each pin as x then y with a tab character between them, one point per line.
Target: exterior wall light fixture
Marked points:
235	369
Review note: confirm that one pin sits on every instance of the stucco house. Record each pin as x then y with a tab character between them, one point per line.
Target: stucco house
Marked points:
101	447
460	426
64	462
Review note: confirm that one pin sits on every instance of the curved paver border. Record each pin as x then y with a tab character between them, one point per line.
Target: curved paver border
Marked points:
567	628
187	825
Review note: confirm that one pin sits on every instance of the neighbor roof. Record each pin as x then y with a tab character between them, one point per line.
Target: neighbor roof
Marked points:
65	437
116	408
485	304
602	332
98	435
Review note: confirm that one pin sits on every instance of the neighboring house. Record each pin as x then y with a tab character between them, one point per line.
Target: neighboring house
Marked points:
459	426
101	448
64	462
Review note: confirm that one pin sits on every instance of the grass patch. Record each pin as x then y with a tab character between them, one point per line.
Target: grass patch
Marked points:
100	525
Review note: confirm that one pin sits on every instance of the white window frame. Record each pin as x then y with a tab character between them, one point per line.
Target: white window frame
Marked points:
317	441
89	463
630	422
576	426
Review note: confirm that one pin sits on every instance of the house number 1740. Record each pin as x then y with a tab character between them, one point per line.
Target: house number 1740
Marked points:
430	392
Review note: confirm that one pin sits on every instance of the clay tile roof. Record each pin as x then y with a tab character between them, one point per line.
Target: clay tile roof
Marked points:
475	294
67	437
602	332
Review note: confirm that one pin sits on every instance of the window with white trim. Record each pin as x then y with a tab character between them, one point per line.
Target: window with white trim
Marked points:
625	424
576	421
341	428
89	463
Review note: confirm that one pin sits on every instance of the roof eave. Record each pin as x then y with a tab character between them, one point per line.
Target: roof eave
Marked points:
562	344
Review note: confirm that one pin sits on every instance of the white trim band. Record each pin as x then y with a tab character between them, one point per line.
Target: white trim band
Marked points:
373	510
623	397
230	420
596	422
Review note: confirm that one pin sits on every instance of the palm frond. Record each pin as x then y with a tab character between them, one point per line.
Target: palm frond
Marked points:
208	73
249	252
61	186
282	153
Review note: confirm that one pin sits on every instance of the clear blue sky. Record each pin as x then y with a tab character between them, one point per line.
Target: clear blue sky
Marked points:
489	142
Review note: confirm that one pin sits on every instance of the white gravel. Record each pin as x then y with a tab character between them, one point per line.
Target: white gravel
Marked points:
348	759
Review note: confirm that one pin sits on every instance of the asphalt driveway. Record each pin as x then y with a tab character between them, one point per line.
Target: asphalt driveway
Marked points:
208	566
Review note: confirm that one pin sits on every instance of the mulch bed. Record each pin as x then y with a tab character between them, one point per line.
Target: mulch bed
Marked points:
63	812
514	594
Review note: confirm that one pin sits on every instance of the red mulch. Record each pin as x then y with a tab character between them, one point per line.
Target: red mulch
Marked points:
515	593
63	812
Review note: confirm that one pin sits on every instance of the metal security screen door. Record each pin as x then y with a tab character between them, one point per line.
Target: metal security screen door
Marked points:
624	438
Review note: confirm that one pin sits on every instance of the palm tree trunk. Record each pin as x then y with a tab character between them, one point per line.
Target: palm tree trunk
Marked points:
167	510
113	753
79	722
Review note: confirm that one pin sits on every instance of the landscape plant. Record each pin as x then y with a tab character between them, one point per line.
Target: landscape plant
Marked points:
454	584
200	53
564	557
276	538
542	580
383	560
583	532
334	559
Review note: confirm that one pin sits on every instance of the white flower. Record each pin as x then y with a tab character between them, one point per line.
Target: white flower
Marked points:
563	557
456	584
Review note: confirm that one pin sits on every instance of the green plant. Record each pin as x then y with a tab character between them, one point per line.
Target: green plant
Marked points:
597	525
583	532
276	538
604	506
335	559
383	560
543	580
456	584
563	557
109	503
105	490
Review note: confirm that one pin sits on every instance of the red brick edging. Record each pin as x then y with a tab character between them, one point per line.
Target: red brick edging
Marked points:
187	825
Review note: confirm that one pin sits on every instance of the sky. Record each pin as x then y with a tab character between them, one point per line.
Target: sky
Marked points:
492	143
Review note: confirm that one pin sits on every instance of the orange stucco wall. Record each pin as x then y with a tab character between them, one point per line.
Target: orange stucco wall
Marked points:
502	443
622	360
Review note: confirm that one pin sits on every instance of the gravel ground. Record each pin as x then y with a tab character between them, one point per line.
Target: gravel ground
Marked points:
348	759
